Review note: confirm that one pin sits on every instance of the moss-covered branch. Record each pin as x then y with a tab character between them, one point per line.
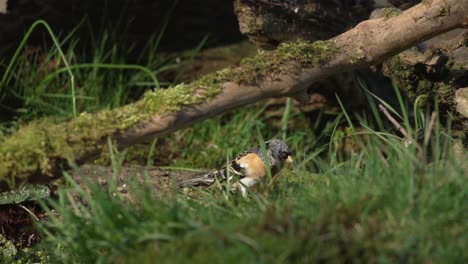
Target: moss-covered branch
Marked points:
40	150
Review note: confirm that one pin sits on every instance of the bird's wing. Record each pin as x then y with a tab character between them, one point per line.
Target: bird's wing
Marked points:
246	164
233	169
204	180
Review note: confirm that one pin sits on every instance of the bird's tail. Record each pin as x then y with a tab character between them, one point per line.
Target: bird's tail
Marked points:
202	180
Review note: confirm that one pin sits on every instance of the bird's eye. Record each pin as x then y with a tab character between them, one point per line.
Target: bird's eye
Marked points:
285	154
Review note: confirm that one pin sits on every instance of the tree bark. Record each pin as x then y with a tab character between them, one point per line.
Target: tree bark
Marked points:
286	71
268	22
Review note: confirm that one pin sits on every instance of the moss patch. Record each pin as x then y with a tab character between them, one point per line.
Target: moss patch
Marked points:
29	193
443	10
7	249
422	84
356	56
41	149
199	91
287	58
390	12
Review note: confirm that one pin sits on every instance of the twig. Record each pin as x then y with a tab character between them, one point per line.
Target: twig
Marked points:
401	129
29	211
393	121
428	133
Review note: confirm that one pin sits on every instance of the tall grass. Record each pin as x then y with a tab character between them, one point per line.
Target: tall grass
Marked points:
67	80
379	205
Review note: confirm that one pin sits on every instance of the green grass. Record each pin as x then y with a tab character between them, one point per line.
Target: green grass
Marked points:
67	79
379	205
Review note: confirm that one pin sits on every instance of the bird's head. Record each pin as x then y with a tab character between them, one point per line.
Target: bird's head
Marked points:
278	150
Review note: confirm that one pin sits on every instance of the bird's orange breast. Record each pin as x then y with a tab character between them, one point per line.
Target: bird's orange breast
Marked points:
253	165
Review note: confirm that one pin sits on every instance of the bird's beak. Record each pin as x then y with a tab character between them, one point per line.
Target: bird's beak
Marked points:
289	160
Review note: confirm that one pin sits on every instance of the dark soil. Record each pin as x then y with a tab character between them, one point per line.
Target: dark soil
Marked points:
16	223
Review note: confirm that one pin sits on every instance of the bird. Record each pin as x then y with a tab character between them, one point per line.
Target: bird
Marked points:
249	166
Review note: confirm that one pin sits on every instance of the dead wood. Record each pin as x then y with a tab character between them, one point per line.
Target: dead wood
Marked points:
268	22
287	71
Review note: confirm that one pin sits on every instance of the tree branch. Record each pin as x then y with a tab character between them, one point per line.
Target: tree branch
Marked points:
369	43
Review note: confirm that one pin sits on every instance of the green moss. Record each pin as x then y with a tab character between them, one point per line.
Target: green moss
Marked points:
399	69
255	25
418	86
199	91
8	250
444	89
27	151
427	2
15	254
390	12
443	10
356	56
42	148
28	193
413	84
307	54
445	93
287	58
424	87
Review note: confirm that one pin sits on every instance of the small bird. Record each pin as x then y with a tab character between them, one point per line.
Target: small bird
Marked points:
250	166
